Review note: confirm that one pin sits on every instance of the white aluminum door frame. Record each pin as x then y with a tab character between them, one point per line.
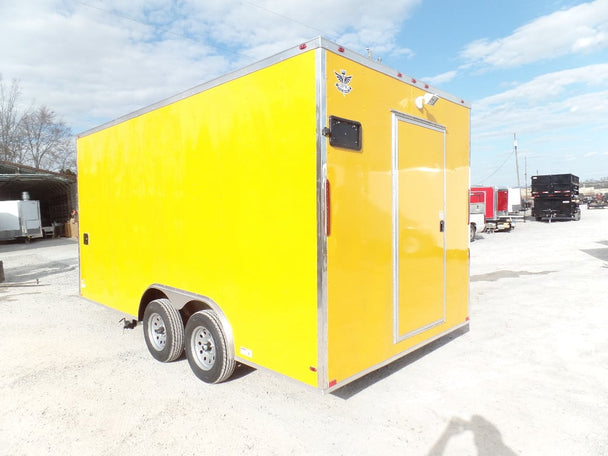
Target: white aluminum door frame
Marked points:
396	118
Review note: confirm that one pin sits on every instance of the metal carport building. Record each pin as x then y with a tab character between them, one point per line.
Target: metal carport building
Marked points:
56	192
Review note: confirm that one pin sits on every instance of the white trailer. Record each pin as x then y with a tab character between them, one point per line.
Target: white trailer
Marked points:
20	219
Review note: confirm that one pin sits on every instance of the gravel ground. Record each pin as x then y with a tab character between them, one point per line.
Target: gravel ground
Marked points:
530	377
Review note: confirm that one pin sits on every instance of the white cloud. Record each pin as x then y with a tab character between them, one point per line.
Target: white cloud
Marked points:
580	29
555	102
94	60
441	78
549	86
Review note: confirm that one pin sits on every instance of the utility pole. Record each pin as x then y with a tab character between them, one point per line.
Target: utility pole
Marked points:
525	183
521	204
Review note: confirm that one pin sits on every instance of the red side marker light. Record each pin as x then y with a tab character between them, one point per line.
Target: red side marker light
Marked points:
399	75
327	208
340	49
312	368
333	383
413	80
302	46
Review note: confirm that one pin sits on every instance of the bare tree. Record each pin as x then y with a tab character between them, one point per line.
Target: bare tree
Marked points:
10	121
46	141
65	158
35	136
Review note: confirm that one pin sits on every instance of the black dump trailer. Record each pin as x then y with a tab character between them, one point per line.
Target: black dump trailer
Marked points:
555	197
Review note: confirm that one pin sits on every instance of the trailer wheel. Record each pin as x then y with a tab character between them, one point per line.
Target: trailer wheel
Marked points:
206	348
473	230
163	331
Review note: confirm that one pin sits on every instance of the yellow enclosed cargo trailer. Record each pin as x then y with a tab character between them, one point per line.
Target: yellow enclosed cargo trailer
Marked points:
306	214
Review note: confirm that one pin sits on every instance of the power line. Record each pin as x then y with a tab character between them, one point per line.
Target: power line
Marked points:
113	12
499	168
320	32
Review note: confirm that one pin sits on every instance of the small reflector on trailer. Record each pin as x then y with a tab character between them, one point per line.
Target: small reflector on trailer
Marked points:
312	368
333	383
302	46
327	208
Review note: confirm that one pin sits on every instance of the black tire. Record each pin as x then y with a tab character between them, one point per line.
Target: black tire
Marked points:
163	331
207	348
473	230
577	216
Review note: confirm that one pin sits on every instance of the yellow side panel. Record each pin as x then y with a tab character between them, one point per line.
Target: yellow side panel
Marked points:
361	315
216	195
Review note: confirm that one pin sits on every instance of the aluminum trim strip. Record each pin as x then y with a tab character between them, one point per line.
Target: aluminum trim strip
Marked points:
420	122
469	246
402	337
294	381
315	43
392	359
445	230
397	117
281	56
322	306
381	68
395	223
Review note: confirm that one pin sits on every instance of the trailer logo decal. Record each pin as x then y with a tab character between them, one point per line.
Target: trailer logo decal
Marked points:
343	81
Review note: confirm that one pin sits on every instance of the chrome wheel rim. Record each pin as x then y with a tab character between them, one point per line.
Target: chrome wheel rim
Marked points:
203	348
157	332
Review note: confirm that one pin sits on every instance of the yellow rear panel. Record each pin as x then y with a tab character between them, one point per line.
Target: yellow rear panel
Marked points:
214	194
370	320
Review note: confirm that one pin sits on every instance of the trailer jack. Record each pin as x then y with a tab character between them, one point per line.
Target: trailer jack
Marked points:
128	324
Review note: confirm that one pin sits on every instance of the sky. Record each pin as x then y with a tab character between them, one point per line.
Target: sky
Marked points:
535	69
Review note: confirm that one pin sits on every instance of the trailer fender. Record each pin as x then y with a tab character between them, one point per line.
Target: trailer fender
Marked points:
149	295
187	304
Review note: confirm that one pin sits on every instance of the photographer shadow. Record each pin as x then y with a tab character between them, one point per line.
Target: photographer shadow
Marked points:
486	436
